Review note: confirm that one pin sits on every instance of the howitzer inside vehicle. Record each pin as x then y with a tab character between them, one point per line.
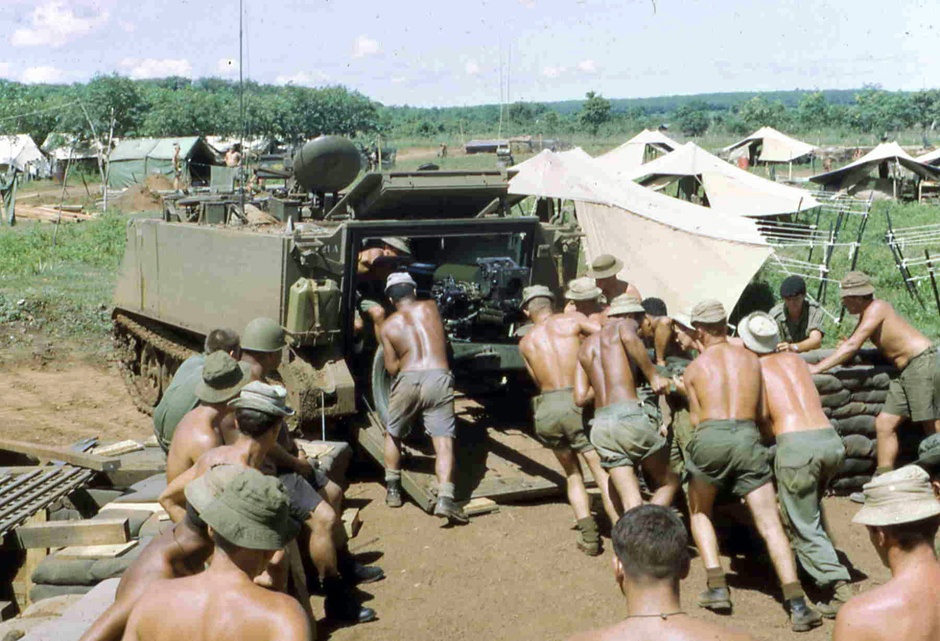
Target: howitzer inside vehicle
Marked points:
470	252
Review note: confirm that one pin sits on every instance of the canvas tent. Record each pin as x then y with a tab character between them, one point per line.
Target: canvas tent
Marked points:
726	188
930	158
670	250
258	145
888	159
767	145
133	159
19	152
643	147
63	148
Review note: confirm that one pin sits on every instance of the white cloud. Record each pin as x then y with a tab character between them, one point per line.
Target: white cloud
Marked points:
5	69
553	72
302	79
138	68
472	68
364	46
227	66
588	66
55	24
127	26
397	80
41	75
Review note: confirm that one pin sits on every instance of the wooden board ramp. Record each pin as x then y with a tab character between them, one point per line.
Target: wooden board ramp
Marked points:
495	459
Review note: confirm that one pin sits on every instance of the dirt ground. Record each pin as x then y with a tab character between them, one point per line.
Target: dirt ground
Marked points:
513	575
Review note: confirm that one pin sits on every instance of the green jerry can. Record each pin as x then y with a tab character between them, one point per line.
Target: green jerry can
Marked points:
312	309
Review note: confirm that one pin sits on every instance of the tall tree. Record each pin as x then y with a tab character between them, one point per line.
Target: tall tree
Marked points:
594	112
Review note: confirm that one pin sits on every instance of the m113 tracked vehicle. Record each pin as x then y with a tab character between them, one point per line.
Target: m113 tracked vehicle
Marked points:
471	251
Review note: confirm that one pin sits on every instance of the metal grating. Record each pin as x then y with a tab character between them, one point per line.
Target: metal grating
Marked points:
22	495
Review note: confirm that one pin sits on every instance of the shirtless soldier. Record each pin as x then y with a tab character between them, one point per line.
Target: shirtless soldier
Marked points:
915	394
652	558
724	386
585	297
249	522
374	265
604	271
415	351
180	551
259	415
809	453
550	352
624	431
901	513
201	428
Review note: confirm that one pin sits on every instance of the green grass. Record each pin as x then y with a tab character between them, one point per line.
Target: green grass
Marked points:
62	291
876	260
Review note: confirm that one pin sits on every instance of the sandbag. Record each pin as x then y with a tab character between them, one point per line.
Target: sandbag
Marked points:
858	446
860	424
847	484
40	592
856	409
855	378
55	571
146	491
827	384
870	396
856	467
836	399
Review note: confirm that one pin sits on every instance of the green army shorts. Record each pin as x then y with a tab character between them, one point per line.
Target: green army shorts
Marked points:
559	423
624	434
915	393
728	453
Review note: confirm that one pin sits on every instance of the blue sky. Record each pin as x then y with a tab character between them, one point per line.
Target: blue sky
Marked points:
453	52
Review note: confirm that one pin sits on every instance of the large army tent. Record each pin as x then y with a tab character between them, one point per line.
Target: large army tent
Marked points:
930	158
889	160
767	145
20	152
63	148
669	248
726	188
643	147
133	159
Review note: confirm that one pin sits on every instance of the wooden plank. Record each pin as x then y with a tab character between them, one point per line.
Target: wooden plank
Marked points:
371	438
23	581
51	452
116	449
57	534
96	551
475	507
351	521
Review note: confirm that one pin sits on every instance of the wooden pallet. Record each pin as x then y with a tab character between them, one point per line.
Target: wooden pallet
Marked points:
496	459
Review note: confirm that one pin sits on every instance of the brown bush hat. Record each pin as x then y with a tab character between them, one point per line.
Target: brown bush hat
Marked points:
625	304
856	284
536	291
222	378
583	289
901	496
605	266
709	311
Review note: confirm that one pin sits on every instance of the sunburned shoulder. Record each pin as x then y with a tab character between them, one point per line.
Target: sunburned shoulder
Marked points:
878	307
693	630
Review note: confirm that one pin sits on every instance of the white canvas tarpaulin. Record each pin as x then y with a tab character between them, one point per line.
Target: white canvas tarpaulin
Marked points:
636	151
930	158
671	249
20	151
775	146
858	171
728	188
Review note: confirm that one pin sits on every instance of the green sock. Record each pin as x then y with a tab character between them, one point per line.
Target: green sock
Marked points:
716	578
446	491
883	469
792	591
392	475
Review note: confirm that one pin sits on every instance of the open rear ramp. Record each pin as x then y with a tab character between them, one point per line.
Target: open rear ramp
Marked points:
496	455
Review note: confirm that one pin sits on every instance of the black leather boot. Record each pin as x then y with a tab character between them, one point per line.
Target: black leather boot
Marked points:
342	605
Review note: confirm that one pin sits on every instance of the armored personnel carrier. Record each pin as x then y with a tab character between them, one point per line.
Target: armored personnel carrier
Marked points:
471	250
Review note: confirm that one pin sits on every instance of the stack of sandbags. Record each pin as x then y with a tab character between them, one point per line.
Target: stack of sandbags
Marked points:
852	396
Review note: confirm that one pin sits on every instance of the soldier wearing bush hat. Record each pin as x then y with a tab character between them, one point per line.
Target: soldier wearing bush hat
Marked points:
901	513
584	296
799	320
604	270
915	393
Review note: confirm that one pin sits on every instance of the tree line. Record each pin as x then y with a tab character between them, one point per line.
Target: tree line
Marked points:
211	106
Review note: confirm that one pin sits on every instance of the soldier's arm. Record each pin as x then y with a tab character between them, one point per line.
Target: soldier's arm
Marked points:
636	350
763	421
688	382
663	335
869	323
583	392
392	362
812	341
173	498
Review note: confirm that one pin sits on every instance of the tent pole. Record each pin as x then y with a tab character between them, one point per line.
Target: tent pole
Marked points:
933	279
